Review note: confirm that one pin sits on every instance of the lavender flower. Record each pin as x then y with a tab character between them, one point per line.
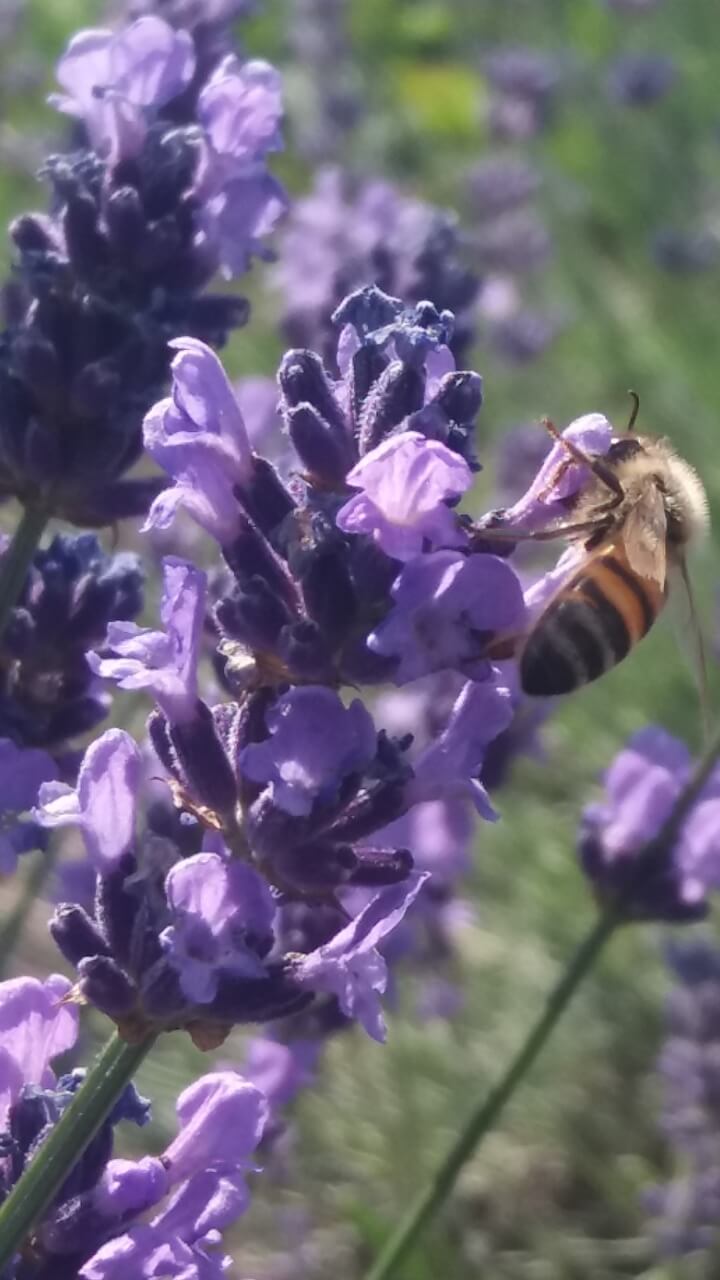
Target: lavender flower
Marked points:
48	693
641	79
642	786
685	1209
21	775
524	83
343	235
100	1221
172	186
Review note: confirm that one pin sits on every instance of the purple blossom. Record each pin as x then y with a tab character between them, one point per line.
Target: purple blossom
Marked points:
642	785
449	766
163	661
21	774
240	109
216	905
405	482
446	607
222	1118
198	436
559	477
103	803
641	79
114	80
280	1070
343	235
35	1027
315	742
350	967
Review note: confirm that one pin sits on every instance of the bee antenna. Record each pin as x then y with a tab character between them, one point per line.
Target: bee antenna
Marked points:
635	409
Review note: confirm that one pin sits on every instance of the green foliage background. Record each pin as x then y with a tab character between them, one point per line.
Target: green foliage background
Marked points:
558	1190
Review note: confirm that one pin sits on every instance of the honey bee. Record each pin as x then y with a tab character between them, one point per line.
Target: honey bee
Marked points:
635	519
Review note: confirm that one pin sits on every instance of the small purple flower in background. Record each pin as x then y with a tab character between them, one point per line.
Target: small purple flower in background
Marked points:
21	775
524	83
642	785
686	1210
279	1070
344	235
48	693
641	79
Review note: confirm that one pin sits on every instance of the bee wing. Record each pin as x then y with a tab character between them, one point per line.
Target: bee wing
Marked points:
644	533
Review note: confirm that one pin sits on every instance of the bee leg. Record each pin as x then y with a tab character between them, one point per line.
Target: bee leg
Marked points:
596	465
508	534
634	411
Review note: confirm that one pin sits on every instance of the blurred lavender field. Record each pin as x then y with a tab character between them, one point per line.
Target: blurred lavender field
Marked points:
550	171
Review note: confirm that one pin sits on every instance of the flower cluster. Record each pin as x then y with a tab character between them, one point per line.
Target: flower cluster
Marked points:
168	184
113	1217
344	234
642	786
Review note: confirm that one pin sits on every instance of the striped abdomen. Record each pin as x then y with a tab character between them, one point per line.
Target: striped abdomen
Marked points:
594	620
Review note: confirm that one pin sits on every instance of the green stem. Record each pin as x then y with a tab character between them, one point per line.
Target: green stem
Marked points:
17	559
51	1164
489	1108
13	924
486	1112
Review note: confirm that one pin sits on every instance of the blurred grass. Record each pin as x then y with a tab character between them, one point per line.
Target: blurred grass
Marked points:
557	1191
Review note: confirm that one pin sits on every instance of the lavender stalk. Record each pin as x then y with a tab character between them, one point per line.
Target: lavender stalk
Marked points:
489	1109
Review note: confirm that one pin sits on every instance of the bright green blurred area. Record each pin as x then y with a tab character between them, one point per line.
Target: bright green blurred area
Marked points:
556	1194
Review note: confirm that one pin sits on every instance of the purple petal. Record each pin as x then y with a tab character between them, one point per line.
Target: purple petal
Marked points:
350	967
405	481
315	743
222	1118
105	800
34	1028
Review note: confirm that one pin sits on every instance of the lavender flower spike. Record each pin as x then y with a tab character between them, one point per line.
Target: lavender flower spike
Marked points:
104	801
163	661
350	966
198	436
642	785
